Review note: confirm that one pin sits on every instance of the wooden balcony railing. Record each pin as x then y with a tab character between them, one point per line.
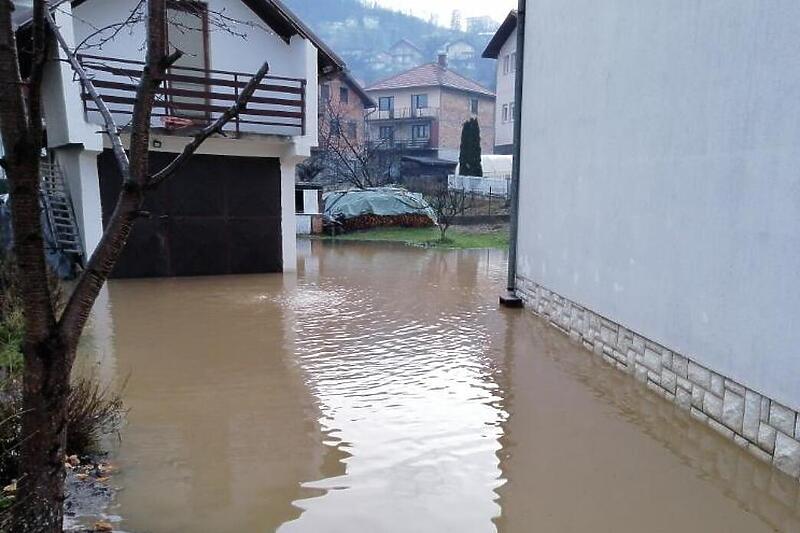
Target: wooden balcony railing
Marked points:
192	98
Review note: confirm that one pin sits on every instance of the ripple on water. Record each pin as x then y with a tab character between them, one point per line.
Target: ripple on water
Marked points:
411	393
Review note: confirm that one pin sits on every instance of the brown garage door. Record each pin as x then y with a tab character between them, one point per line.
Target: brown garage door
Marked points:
218	215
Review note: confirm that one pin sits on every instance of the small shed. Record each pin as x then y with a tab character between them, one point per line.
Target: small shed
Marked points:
308	208
420	172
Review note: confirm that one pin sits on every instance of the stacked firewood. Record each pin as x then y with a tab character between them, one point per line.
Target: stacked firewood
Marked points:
409	220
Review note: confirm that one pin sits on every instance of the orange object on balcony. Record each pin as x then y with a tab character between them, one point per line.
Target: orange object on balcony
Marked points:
176	123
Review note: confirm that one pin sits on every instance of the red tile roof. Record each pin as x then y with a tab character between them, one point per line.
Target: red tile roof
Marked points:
430	75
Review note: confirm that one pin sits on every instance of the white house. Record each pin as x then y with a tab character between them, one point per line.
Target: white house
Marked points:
503	48
231	209
659	201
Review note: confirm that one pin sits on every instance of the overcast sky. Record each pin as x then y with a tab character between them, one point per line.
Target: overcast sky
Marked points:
497	9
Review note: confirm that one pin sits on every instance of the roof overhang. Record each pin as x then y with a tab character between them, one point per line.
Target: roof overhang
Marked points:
272	12
429	161
500	37
286	24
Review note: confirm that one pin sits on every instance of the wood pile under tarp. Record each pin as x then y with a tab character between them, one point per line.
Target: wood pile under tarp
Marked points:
360	222
378	207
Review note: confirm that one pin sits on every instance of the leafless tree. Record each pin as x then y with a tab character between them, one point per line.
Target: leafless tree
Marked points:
347	153
50	338
447	204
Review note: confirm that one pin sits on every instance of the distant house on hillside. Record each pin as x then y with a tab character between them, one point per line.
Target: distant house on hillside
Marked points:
484	24
405	54
503	48
460	50
462	57
422	110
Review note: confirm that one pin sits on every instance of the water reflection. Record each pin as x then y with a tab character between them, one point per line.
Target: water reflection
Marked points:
382	390
403	380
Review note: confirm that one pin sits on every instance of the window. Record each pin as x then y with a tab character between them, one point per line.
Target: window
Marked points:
513	62
511	112
386	103
506	63
420	131
352	129
473	106
419	101
505	112
325	92
187	30
336	126
386	133
344	95
299	201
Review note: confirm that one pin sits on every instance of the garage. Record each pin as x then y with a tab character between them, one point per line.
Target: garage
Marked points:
217	215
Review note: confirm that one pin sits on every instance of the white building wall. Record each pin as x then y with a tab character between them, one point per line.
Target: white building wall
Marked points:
77	142
504	129
659	188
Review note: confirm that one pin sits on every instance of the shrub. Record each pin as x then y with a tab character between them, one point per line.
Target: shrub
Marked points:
469	157
93	410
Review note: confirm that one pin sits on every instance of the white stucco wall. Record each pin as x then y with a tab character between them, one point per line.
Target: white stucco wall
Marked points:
504	130
660	183
76	142
245	50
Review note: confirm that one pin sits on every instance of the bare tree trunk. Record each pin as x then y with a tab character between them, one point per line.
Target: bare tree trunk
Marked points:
46	376
49	345
40	503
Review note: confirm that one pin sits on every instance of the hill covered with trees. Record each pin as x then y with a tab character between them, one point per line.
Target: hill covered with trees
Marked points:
362	33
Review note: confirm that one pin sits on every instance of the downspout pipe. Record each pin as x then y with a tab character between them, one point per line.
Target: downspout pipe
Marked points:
511	285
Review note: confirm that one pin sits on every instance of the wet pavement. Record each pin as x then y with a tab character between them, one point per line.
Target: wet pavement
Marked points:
382	389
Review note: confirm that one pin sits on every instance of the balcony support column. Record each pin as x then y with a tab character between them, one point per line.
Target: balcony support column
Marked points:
288	221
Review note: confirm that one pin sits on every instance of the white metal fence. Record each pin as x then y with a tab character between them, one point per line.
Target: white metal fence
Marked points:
497	185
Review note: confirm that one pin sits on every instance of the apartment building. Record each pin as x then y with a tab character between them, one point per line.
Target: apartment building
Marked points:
423	109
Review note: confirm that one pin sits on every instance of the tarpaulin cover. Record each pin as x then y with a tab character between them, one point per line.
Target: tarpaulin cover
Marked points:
383	201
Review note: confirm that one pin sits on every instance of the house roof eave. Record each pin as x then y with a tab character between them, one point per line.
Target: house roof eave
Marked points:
278	17
500	37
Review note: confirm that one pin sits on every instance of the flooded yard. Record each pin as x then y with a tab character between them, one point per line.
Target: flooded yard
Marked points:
382	389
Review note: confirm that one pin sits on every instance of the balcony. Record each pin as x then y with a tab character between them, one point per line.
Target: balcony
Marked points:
192	98
404	113
402	144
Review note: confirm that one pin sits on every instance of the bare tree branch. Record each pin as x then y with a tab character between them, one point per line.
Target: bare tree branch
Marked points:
49	346
111	129
354	159
134	17
215	127
131	199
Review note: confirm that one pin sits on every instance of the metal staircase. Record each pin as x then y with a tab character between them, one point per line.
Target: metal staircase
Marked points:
58	209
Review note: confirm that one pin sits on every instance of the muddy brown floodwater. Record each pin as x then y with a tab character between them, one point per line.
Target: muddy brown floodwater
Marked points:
381	389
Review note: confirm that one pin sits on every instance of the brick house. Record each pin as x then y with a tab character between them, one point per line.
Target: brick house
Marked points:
422	110
343	104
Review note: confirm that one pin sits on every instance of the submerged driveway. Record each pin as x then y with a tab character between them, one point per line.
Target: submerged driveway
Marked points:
381	389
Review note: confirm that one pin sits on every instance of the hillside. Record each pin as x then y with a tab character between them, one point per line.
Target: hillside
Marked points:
358	32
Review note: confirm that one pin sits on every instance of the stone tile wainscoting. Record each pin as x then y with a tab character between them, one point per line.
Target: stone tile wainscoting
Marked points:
769	430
